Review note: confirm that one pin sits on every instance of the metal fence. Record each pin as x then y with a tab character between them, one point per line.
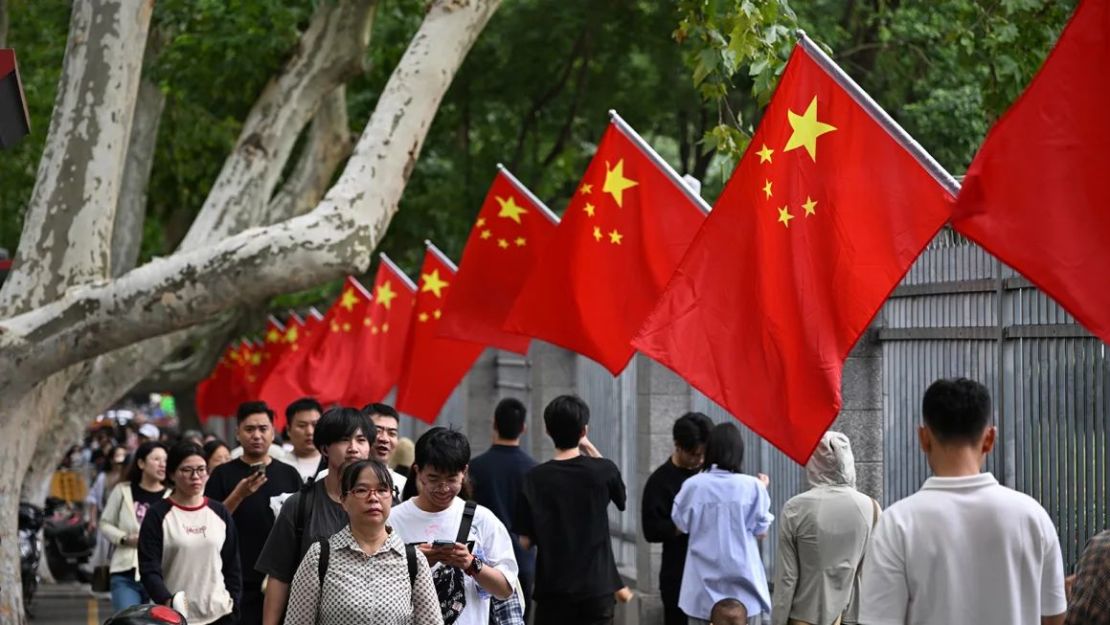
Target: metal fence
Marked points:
960	312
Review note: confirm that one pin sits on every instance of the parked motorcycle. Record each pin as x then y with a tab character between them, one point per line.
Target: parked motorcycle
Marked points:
68	541
30	551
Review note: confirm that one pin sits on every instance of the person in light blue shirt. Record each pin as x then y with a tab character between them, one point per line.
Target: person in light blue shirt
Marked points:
725	513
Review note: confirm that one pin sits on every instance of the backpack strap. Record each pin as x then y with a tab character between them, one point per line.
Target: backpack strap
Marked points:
322	572
410	556
301	516
467	520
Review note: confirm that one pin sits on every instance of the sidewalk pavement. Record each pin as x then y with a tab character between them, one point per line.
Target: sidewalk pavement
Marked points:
69	603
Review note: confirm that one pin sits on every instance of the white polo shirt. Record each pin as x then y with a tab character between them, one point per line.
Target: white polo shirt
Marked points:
963	550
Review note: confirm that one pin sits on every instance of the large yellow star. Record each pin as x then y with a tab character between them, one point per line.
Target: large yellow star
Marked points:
785	216
765	154
433	283
384	294
349	299
806	130
810	206
510	210
616	183
767	189
291	335
273	336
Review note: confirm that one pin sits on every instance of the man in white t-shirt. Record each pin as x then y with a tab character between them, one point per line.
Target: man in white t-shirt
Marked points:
963	549
388	424
301	418
484	565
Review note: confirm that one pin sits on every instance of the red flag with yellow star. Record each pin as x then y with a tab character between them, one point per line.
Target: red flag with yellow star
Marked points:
512	227
433	365
821	219
287	380
390	315
220	394
273	345
621	237
1033	196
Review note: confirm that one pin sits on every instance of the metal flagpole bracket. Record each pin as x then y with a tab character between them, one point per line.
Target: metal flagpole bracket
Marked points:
935	169
528	193
650	152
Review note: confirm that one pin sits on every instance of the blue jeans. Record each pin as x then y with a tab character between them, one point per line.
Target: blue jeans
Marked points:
126	592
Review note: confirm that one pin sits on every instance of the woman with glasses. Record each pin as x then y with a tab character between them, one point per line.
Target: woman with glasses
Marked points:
364	573
122	517
188	551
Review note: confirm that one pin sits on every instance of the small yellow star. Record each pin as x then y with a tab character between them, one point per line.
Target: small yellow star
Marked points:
294	347
346	327
349	299
334	326
366	322
589	208
503	244
433	283
481	222
586	189
510	209
810	206
521	242
767	189
290	336
437	313
422	317
615	237
616	183
256	359
785	216
373	329
806	130
765	154
486	234
384	294
385	327
597	233
273	336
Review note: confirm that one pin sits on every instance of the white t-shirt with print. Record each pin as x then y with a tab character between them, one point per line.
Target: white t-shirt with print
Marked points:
491	543
963	550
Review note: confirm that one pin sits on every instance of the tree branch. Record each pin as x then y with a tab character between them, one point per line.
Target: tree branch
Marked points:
336	238
127	231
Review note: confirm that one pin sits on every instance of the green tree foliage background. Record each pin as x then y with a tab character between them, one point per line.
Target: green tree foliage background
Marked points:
690	75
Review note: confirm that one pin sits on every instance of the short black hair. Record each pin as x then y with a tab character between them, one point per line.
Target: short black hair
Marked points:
179	452
302	405
249	408
508	418
339	423
957	410
566	417
725	448
211	446
384	410
442	449
134	472
351	472
691	431
728	612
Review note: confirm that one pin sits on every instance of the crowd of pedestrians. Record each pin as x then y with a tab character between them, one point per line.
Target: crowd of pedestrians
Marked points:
349	523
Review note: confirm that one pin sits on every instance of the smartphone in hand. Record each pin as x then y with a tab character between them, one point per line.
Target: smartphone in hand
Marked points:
258	468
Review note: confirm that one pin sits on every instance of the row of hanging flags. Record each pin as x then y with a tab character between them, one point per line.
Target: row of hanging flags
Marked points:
755	303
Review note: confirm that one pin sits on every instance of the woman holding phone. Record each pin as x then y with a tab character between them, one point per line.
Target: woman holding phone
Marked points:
188	547
364	569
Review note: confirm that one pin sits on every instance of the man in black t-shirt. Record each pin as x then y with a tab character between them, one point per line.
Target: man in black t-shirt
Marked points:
343	436
252	496
691	431
496	477
563	510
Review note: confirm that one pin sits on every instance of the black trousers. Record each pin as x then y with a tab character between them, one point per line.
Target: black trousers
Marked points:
584	611
674	616
250	607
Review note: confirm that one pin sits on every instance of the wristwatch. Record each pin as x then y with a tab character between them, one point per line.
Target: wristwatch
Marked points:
475	567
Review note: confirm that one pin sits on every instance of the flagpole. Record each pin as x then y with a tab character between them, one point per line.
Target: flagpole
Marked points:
274	320
397	270
315	313
658	160
435	250
528	193
935	169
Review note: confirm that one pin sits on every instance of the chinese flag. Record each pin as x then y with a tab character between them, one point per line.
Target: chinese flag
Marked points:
621	238
433	365
1034	194
288	379
824	214
220	394
312	321
273	345
379	367
511	230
